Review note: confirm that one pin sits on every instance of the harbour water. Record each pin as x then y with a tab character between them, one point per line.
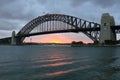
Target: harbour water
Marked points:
37	62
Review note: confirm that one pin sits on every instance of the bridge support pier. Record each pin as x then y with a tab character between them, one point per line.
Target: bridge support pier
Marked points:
13	39
106	33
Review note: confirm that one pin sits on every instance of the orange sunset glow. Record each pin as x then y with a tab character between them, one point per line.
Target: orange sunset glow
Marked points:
53	39
56	38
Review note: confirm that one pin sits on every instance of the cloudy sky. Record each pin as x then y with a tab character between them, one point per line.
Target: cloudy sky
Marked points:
14	14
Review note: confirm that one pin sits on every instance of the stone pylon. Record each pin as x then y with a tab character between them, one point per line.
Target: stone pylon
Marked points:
13	39
106	33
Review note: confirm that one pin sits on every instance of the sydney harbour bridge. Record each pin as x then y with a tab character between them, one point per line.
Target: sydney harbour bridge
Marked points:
60	23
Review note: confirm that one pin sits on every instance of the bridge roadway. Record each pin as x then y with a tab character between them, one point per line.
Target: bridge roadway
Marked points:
60	31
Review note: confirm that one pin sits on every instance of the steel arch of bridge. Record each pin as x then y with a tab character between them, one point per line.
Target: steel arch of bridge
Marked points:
90	29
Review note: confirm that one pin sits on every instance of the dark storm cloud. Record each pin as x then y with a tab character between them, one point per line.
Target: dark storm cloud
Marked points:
102	3
42	1
76	3
26	10
106	3
14	10
5	2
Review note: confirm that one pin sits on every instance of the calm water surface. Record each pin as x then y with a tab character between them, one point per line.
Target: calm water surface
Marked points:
59	63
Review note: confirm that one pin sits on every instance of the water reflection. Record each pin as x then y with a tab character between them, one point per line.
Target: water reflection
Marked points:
57	59
64	63
57	73
58	64
52	60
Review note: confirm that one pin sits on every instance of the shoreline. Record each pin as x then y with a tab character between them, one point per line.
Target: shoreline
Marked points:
95	45
71	45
